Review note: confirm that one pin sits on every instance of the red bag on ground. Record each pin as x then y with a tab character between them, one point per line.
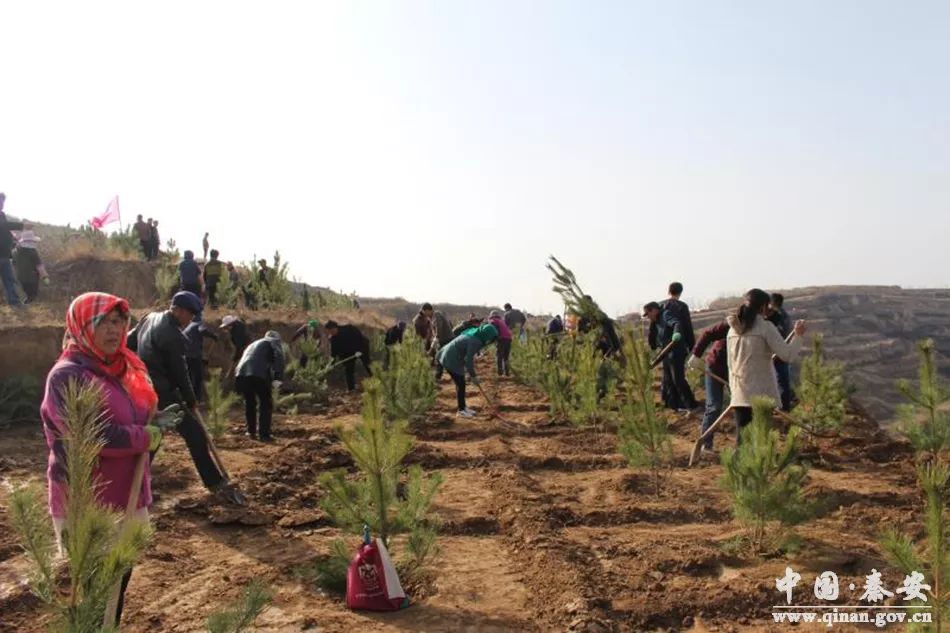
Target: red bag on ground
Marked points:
371	581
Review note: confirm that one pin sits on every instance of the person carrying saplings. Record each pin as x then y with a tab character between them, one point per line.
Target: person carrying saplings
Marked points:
459	356
259	372
347	343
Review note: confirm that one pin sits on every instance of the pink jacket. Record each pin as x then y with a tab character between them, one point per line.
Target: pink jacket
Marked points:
125	437
504	333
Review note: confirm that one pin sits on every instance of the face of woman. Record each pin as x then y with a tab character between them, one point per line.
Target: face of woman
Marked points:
109	332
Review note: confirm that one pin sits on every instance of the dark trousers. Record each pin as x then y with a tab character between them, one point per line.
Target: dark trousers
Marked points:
257	390
459	380
146	248
714	399
783	373
212	288
196	439
196	373
349	368
742	416
503	357
195	288
676	391
31	288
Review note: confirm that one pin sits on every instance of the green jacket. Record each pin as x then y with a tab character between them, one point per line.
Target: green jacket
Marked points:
459	355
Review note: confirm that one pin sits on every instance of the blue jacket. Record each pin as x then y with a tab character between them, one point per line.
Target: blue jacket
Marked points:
674	317
189	272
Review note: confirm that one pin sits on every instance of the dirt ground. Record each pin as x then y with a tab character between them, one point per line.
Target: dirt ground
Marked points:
545	528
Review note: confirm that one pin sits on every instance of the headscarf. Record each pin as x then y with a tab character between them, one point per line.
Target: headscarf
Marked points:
485	333
84	314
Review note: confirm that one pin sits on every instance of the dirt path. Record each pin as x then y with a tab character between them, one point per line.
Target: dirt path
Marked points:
545	528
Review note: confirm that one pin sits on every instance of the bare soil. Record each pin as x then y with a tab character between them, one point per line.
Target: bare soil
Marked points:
545	528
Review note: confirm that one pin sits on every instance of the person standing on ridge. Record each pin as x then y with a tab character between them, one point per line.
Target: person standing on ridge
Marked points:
144	232
212	274
6	255
204	246
29	266
155	240
189	274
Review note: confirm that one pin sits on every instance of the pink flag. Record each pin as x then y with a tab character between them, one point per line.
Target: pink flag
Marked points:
110	215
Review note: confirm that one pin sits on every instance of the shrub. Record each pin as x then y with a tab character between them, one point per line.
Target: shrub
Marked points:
240	616
19	400
408	383
925	421
219	402
822	393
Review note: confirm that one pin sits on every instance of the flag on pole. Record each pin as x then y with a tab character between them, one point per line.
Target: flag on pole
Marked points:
110	215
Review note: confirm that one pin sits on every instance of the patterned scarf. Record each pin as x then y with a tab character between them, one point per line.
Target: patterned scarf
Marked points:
84	315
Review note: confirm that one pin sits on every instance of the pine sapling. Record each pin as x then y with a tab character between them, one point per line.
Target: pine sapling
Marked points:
378	449
926	420
763	475
241	615
644	435
219	403
932	558
100	546
408	384
822	393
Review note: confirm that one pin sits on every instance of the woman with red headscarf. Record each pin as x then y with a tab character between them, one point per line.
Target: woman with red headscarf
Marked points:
95	353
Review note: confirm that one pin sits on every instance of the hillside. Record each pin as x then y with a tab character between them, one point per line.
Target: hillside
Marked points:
873	330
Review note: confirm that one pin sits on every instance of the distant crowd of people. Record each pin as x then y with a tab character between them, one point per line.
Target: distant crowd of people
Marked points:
21	266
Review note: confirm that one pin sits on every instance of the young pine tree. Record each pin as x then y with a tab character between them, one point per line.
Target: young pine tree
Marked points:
926	421
240	616
378	450
932	558
644	435
100	547
408	384
219	402
762	475
822	392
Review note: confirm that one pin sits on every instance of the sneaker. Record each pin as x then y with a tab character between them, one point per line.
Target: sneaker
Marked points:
253	436
709	453
267	438
470	411
465	413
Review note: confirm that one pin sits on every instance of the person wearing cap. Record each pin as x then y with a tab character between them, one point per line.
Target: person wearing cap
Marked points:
195	334
29	267
239	339
459	356
307	331
159	342
189	274
6	255
422	323
347	343
515	320
503	348
259	372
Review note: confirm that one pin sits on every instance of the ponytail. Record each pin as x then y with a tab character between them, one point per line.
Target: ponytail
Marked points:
752	305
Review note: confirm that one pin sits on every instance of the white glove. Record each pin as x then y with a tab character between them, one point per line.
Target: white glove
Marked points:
358	354
276	384
695	362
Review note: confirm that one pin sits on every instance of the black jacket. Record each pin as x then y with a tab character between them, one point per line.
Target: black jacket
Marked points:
609	342
782	322
674	317
161	346
263	359
347	341
394	335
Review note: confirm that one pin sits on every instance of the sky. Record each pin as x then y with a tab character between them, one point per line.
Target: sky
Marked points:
441	151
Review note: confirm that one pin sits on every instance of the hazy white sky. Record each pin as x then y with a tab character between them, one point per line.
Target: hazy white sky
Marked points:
441	150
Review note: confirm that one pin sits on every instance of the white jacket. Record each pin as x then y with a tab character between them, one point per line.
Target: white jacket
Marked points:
749	352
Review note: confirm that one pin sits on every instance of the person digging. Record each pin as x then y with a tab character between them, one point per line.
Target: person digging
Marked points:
459	356
159	342
259	372
347	344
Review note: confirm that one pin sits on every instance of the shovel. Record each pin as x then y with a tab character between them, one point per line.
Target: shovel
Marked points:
693	456
493	408
663	353
238	496
108	619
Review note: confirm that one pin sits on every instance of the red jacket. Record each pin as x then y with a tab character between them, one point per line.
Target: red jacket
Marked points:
714	338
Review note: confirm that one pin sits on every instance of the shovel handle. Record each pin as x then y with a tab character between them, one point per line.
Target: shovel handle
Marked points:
663	352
